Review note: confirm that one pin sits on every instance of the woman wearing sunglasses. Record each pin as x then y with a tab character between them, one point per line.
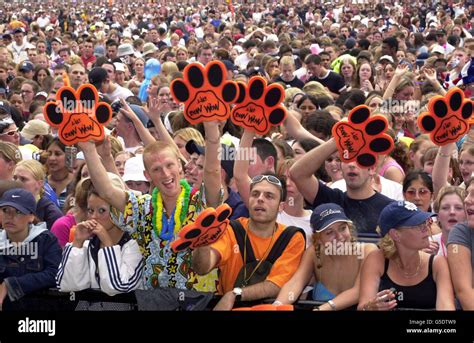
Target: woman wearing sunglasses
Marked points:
9	131
418	189
400	274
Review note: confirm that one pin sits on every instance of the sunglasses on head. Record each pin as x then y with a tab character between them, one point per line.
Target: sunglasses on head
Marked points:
270	178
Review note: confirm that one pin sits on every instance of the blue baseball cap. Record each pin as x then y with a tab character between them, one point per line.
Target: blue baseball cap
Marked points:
140	113
26	66
327	214
19	199
401	214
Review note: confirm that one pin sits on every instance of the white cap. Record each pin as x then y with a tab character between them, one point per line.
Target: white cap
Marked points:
239	49
134	169
387	57
119	67
438	48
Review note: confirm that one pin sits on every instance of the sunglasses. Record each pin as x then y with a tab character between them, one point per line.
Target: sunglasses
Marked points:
270	178
422	192
11	133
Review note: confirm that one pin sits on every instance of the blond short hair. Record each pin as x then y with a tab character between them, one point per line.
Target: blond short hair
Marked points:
10	152
189	133
158	147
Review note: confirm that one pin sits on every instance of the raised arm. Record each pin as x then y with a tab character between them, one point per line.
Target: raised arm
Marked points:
441	167
212	167
430	75
302	172
155	110
399	72
143	132
241	166
100	179
104	149
296	130
459	260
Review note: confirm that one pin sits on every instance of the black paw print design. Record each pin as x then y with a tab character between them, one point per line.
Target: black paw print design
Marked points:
448	118
205	92
209	226
259	106
362	137
78	114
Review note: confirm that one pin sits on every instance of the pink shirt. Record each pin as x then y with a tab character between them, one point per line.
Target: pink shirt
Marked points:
61	228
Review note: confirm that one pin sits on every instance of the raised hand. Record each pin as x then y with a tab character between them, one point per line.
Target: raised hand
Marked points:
430	75
157	108
104	148
401	70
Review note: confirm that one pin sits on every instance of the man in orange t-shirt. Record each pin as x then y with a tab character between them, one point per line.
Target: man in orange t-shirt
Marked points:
267	194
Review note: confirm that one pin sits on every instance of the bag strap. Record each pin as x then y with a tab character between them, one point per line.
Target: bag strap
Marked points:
240	232
282	242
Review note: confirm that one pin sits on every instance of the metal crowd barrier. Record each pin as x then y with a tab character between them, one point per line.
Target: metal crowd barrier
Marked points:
61	301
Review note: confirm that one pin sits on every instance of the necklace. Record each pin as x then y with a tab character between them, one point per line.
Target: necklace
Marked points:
247	279
166	228
408	275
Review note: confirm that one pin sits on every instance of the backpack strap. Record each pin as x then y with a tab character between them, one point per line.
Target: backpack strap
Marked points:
240	232
282	242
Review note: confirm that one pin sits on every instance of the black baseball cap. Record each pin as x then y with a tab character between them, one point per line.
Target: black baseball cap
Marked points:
97	76
227	163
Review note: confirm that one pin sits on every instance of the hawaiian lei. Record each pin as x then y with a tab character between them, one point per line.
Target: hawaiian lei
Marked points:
164	228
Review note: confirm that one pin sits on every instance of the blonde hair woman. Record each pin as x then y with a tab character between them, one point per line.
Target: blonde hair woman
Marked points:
31	174
336	273
400	274
10	155
168	68
316	89
181	54
290	94
347	70
449	205
182	136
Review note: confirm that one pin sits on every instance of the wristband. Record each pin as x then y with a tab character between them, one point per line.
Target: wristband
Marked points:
444	155
332	304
